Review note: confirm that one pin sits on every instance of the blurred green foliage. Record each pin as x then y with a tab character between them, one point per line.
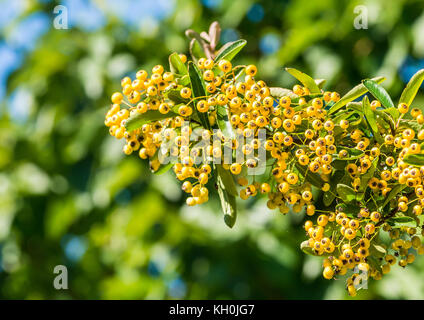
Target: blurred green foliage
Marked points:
69	196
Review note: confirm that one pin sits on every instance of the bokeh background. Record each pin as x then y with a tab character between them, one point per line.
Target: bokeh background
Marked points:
69	196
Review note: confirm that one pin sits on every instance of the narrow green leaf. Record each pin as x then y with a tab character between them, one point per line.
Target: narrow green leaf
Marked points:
416	160
356	92
320	82
175	96
353	154
412	87
281	92
198	90
223	123
357	106
379	93
412	124
339	176
310	177
351	210
369	115
229	207
183	81
137	120
405	221
164	168
343	116
230	50
378	250
365	178
393	193
371	120
227	193
196	50
227	180
306	80
176	65
384	119
393	112
346	193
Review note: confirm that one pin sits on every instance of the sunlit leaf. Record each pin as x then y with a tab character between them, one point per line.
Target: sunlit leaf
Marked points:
230	50
176	65
320	82
281	92
371	120
393	193
354	93
306	80
414	159
393	112
412	87
198	89
379	93
311	177
227	193
400	222
346	193
378	250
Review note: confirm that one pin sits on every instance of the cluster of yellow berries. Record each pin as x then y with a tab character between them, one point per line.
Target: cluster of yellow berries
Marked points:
305	147
347	238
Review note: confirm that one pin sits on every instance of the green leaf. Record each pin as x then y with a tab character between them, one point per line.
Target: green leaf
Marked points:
310	177
137	120
356	106
175	96
416	160
378	250
371	120
353	154
183	81
227	180
338	176
393	193
198	90
351	210
223	122
343	116
412	124
230	50
411	89
239	73
320	82
176	65
369	114
227	193
354	93
164	168
346	193
306	80
196	50
365	178
385	119
281	92
339	164
379	93
405	221
304	246
393	112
